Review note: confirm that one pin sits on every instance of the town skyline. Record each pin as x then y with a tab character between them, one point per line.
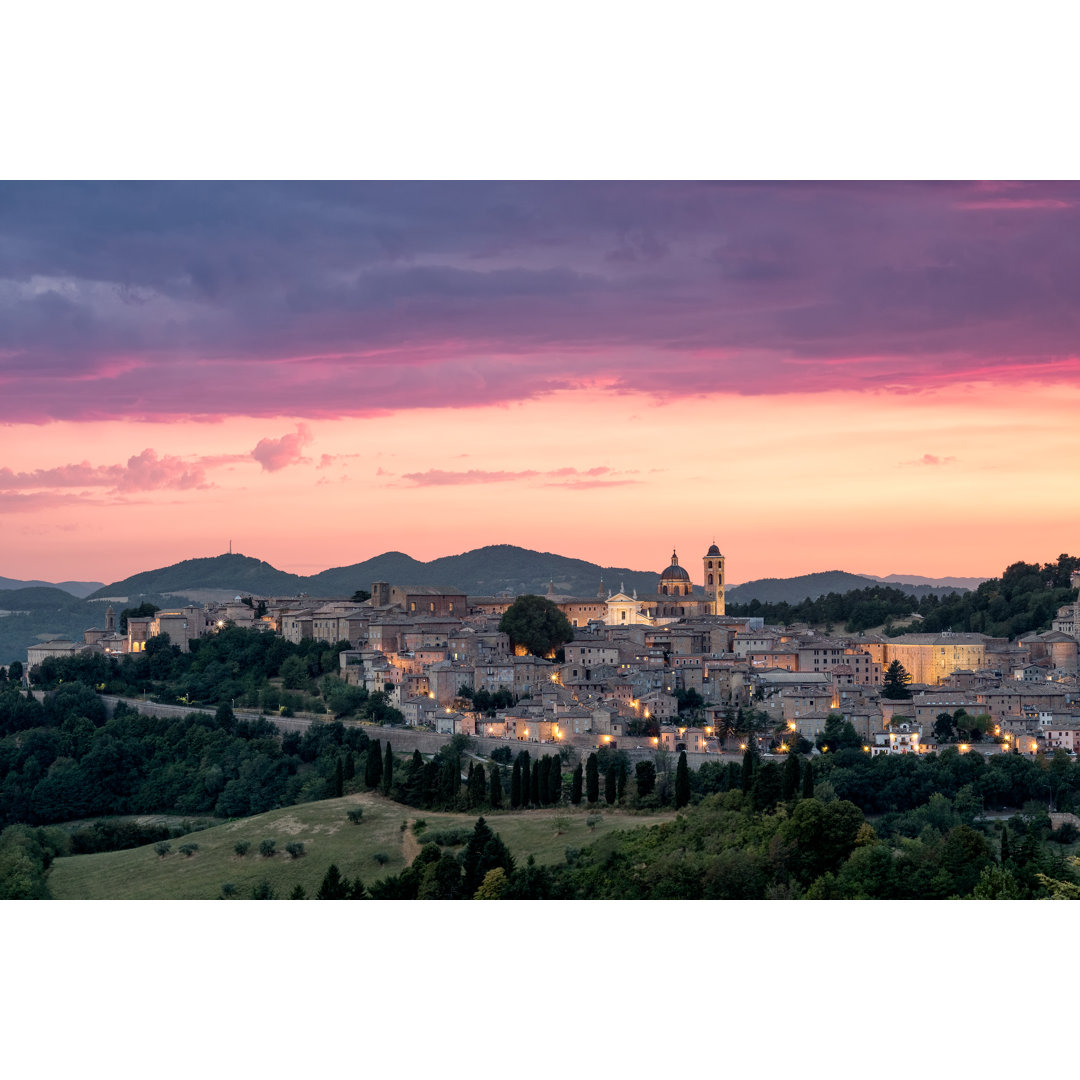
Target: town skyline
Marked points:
874	377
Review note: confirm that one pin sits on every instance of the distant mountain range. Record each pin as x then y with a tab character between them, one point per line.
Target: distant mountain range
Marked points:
76	588
43	610
916	579
811	586
486	571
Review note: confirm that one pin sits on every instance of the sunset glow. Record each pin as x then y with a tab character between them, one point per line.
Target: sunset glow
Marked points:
871	377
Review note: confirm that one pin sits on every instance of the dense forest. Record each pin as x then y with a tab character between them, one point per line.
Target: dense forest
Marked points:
1025	598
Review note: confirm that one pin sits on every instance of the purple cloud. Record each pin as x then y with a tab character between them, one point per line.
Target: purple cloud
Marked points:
142	472
196	300
930	459
275	454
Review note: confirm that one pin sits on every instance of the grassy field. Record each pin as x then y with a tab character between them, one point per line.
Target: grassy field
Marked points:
328	837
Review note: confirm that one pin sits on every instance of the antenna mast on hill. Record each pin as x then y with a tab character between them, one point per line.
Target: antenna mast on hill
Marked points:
230	547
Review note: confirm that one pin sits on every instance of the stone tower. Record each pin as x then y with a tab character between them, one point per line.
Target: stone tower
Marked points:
714	578
110	620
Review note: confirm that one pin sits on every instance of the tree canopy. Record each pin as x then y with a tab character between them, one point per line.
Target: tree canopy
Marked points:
536	625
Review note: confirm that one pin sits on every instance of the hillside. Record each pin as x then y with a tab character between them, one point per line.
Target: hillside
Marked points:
219	572
75	588
482	572
811	586
328	837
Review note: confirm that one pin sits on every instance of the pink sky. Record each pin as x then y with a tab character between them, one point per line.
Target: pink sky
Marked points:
872	377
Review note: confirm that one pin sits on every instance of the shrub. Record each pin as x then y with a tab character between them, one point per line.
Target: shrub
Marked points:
241	847
162	848
187	850
419	825
266	849
502	754
295	849
381	858
228	890
355	816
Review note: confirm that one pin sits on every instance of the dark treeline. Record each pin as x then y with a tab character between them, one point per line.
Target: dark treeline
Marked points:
1025	598
64	759
761	830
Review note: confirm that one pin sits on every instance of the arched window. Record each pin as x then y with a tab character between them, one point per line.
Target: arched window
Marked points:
432	605
710	579
664	589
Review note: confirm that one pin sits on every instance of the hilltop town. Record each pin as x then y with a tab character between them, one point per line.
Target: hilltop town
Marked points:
669	671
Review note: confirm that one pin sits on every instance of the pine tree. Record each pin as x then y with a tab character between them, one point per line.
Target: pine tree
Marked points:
682	782
496	795
298	893
334	886
791	777
515	784
373	766
592	780
808	781
611	784
388	770
575	785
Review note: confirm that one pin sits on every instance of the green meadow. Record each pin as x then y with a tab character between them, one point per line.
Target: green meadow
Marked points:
384	842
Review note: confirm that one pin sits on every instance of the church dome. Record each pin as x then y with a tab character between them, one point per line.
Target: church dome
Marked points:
674	572
713	550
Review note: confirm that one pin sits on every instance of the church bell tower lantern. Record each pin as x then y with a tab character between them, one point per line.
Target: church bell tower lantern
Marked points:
714	579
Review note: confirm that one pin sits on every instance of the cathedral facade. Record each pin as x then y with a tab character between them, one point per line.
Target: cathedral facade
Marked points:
675	597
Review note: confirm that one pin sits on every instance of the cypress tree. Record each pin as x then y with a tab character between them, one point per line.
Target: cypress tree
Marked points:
545	779
592	780
496	795
477	787
621	771
575	785
450	780
526	776
555	781
808	781
534	784
791	777
645	772
682	782
1004	845
515	784
749	763
388	770
373	767
349	771
611	784
339	779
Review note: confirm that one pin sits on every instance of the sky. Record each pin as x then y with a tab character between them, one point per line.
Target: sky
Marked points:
874	377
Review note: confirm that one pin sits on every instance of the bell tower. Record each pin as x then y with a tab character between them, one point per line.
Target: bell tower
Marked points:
714	579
